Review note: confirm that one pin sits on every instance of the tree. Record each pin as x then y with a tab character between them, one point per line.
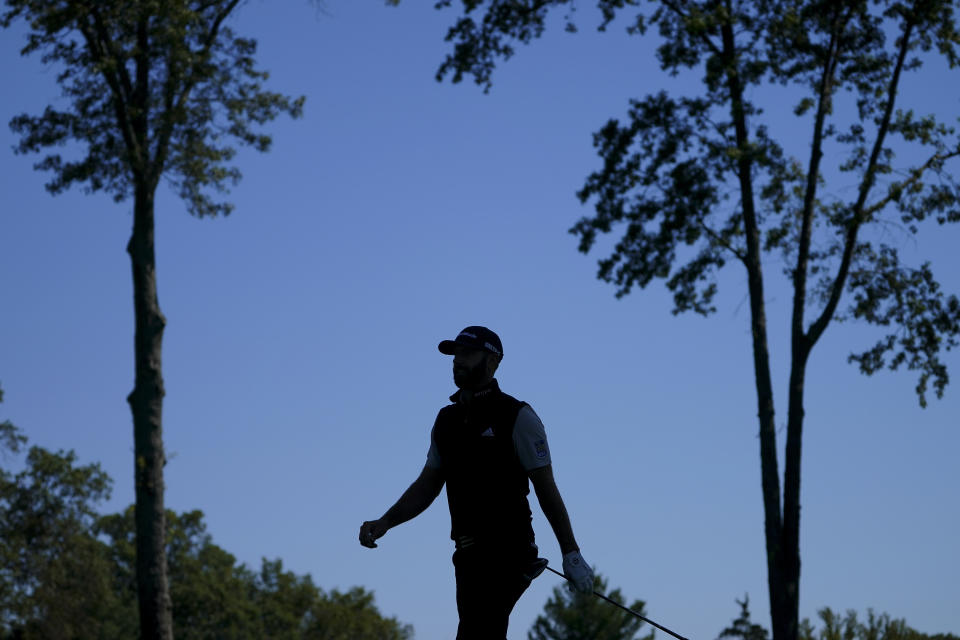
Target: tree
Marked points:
834	627
157	89
215	597
66	572
875	627
742	627
571	615
352	615
10	440
212	595
54	575
696	182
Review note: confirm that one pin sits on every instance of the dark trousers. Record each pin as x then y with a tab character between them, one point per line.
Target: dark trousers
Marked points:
490	580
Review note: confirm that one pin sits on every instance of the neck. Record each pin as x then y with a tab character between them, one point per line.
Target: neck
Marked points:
467	396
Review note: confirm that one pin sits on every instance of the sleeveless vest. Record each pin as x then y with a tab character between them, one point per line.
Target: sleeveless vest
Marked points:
487	487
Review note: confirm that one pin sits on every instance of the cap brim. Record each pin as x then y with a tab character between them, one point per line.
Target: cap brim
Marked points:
446	347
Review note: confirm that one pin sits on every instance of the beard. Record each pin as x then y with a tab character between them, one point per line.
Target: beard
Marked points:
470	378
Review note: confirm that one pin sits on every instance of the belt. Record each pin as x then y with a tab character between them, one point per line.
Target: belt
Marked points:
482	541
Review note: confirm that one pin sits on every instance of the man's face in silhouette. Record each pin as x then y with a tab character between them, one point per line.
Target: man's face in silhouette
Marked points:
471	369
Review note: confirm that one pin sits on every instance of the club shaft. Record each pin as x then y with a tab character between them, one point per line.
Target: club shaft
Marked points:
628	610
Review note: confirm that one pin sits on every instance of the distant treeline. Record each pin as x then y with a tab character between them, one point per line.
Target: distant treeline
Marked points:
834	626
67	573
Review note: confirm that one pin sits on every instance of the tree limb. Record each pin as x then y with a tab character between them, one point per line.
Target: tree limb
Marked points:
714	49
859	213
101	48
166	129
800	343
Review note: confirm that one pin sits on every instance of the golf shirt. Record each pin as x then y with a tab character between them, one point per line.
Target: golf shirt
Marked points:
529	441
485	450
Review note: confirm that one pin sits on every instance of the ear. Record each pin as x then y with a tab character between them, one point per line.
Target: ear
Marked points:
493	361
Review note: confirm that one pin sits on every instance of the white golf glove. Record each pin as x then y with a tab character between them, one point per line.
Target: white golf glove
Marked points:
578	571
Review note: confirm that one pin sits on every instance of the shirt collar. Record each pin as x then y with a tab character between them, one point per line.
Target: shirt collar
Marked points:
480	396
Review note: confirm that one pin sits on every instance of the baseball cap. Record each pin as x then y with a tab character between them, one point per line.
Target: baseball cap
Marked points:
475	338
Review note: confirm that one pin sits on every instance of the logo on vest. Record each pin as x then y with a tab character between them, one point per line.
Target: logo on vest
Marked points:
488	433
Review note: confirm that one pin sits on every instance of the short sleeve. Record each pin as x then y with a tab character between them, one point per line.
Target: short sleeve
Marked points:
530	440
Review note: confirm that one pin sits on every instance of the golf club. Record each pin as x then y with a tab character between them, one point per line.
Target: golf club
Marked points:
630	611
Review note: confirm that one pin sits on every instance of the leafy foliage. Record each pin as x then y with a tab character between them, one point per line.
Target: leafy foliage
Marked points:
214	597
889	294
156	89
54	575
875	627
571	615
339	616
66	572
742	627
687	187
834	627
10	439
693	183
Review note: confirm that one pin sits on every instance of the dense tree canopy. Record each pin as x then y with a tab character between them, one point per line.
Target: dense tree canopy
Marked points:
54	575
571	615
155	89
67	572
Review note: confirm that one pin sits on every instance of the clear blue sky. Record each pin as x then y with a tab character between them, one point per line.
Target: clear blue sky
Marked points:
300	355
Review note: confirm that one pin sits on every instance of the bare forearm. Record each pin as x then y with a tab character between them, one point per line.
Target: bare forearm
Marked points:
557	516
412	503
553	508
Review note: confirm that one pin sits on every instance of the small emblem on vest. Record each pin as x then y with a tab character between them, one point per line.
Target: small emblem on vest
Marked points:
540	447
488	433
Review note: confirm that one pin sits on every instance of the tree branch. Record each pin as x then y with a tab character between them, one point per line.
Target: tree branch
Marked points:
166	129
800	344
714	49
100	45
915	175
859	213
719	239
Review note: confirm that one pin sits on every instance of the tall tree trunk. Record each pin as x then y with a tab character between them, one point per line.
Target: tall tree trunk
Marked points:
769	473
777	575
790	545
800	346
146	404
